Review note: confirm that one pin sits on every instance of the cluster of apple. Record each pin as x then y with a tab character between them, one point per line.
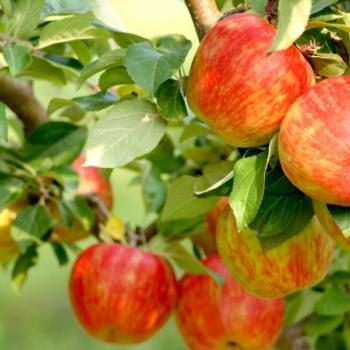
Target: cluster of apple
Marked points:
246	95
124	295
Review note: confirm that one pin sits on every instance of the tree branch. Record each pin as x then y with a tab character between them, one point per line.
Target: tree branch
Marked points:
205	15
19	97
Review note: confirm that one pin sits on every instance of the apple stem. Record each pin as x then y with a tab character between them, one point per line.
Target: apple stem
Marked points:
205	14
271	12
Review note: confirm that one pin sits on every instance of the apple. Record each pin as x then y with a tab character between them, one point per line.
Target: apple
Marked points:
8	247
92	181
277	270
240	90
228	317
206	237
314	142
122	294
329	224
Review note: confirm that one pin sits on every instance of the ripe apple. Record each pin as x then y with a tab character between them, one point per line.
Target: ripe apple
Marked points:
206	238
240	90
92	181
8	247
214	318
314	142
297	263
122	294
326	220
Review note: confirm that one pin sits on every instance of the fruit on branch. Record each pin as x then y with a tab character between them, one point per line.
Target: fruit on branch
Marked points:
240	90
8	247
92	181
122	294
329	224
271	271
314	142
211	317
206	239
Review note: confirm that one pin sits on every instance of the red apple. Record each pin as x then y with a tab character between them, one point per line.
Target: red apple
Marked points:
214	318
272	271
122	294
92	181
240	90
314	142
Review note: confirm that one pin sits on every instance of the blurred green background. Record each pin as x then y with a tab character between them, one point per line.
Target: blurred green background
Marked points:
41	317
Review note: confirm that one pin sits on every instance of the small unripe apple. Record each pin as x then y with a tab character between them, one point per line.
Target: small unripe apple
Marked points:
211	317
240	90
122	294
314	142
272	271
92	181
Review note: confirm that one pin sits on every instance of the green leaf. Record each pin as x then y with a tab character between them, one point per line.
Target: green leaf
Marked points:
30	225
114	76
216	180
18	58
300	305
54	144
164	157
79	210
320	24
11	189
334	341
41	68
124	39
181	203
60	253
59	103
69	29
176	252
52	7
170	100
335	301
23	264
194	129
82	51
128	130
95	102
248	188
26	18
153	188
108	60
284	211
328	64
174	44
293	16
341	215
257	6
323	324
3	123
319	5
149	67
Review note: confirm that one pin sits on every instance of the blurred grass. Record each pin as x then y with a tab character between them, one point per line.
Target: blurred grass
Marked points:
41	318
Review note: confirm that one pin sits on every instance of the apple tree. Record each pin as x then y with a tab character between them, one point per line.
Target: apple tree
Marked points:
243	160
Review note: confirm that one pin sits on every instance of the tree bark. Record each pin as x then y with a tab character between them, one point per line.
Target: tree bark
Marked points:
205	15
18	96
